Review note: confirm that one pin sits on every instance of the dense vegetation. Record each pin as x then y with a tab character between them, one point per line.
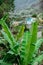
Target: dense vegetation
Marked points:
5	6
21	49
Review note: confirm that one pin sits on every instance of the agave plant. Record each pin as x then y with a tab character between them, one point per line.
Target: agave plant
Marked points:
24	51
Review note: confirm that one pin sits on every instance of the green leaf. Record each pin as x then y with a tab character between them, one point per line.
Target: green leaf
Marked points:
37	60
10	52
33	39
8	32
9	36
25	48
29	44
8	39
38	44
20	34
2	41
4	63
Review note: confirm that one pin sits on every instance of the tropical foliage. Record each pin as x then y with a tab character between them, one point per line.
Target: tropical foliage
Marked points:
23	49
